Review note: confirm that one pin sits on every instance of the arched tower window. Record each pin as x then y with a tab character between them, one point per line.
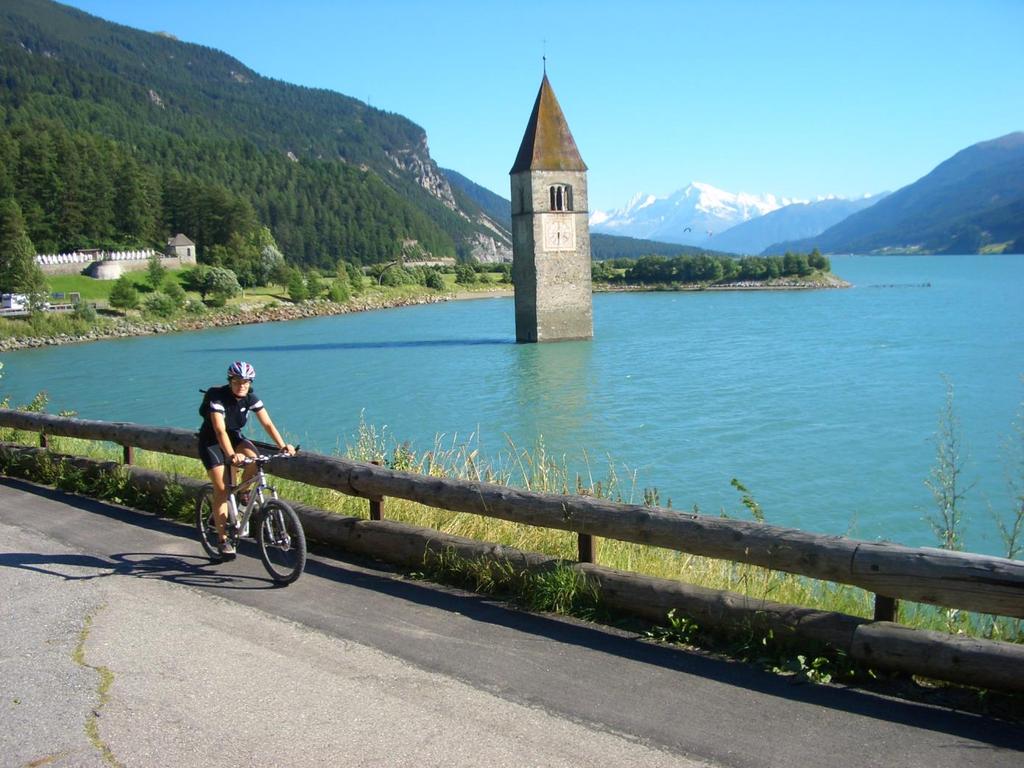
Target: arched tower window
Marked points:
560	197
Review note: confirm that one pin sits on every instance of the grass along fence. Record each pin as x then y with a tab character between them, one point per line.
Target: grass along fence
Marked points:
951	579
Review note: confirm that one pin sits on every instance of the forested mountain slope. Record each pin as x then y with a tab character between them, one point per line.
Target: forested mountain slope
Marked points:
110	135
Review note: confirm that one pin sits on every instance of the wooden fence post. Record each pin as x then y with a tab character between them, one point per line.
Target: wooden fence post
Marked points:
885	608
129	454
586	548
377	503
43	441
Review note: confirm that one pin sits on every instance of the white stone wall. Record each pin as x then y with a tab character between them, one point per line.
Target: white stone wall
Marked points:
109	267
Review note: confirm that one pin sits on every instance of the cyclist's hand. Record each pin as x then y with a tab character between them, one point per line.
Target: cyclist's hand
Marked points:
238	459
289	449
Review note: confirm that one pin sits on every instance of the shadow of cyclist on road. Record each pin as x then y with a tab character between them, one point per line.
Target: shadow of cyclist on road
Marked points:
181	569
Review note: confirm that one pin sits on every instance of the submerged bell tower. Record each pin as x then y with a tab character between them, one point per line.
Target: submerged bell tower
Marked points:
550	230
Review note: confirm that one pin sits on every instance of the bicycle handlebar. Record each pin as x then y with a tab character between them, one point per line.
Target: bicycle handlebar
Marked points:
263	459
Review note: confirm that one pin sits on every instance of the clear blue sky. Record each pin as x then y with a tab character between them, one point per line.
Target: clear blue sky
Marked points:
795	98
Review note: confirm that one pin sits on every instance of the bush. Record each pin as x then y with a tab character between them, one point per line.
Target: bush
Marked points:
174	291
338	292
314	285
434	281
194	307
161	305
124	295
194	278
355	278
396	275
341	274
221	284
85	312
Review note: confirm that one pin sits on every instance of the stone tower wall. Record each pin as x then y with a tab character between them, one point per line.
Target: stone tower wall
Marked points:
553	286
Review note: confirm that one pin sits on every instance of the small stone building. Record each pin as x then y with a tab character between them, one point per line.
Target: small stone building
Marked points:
181	248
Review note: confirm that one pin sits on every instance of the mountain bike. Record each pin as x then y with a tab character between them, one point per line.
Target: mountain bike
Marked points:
277	529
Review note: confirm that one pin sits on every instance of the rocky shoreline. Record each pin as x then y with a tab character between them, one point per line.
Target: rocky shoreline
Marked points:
825	282
248	314
244	314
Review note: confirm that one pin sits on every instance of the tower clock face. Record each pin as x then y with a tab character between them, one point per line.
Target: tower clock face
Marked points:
559	232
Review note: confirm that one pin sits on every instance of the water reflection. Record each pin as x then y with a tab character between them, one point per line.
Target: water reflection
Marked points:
552	389
342	345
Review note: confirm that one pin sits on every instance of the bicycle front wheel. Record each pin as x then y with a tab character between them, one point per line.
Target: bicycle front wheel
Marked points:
282	541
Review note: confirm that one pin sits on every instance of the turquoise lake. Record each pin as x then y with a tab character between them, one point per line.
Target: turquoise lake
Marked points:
825	404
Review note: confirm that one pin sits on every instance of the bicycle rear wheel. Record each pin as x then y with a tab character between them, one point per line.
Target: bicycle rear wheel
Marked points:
282	541
204	523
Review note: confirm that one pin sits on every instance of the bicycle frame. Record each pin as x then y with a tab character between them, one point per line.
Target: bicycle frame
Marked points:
256	496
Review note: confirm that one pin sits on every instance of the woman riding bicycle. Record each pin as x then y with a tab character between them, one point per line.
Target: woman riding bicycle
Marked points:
225	411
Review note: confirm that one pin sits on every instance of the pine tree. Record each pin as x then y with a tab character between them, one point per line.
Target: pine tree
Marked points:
38	189
156	271
297	287
19	272
136	203
124	295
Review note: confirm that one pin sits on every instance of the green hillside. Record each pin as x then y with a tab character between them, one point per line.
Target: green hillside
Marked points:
607	247
112	136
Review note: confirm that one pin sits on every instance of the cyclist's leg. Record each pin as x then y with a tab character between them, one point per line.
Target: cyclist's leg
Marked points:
218	478
214	461
246	447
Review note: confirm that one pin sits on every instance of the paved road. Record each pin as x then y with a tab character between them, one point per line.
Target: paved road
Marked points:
120	644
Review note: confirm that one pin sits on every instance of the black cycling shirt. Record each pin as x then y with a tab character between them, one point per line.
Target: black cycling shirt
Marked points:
235	410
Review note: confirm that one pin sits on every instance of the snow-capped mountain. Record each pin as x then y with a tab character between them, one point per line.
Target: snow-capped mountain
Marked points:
792	222
692	216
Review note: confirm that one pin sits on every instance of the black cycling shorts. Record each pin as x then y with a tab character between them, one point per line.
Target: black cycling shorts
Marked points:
212	456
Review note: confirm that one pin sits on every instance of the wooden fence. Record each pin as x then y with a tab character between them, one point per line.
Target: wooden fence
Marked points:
965	581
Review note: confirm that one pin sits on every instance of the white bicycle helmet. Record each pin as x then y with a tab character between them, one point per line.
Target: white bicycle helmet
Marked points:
241	370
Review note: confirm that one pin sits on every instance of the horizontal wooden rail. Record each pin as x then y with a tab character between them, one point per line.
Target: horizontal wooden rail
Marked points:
973	661
953	579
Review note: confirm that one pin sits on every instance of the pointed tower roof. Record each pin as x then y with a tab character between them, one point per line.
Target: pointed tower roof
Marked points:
547	145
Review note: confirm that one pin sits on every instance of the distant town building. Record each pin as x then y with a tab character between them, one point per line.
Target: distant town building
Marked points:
550	231
180	247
